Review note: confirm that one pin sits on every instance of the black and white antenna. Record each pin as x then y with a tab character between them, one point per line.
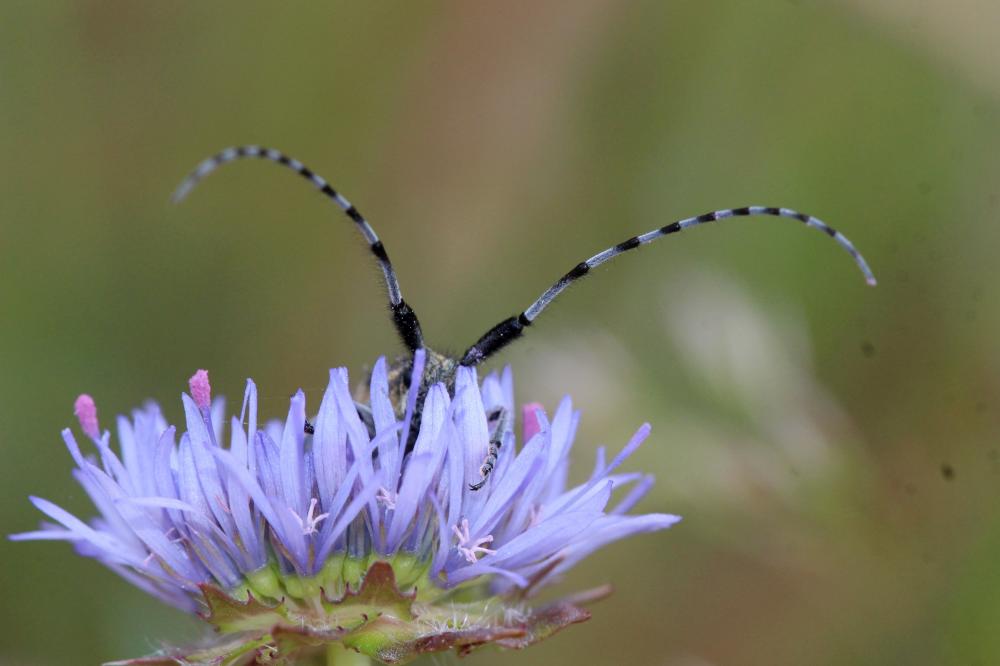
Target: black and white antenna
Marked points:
511	329
403	316
501	335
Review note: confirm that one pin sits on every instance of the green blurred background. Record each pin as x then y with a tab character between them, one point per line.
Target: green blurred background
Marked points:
833	448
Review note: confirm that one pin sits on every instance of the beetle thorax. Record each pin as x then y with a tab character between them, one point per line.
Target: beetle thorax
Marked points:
437	368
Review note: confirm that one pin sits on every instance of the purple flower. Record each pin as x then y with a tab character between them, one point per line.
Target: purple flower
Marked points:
282	528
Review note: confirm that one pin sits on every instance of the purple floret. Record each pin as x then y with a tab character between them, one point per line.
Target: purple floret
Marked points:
175	514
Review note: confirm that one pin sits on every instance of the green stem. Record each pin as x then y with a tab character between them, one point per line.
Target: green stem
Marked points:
338	655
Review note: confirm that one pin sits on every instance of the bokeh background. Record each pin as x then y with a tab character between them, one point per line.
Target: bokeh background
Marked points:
835	449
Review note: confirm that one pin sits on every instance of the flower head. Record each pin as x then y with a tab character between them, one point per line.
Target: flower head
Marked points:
288	540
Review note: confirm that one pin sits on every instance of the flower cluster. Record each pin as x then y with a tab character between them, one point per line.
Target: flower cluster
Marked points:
293	537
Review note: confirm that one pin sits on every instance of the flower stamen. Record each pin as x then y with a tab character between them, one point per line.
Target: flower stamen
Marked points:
311	521
86	414
386	498
469	548
201	390
532	425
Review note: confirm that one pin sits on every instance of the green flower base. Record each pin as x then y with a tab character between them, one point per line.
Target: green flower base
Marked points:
359	606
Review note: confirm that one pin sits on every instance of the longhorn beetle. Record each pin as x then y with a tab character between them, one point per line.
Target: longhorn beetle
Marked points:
440	367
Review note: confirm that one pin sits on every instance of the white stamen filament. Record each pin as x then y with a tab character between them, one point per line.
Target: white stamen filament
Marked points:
386	498
309	524
469	548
